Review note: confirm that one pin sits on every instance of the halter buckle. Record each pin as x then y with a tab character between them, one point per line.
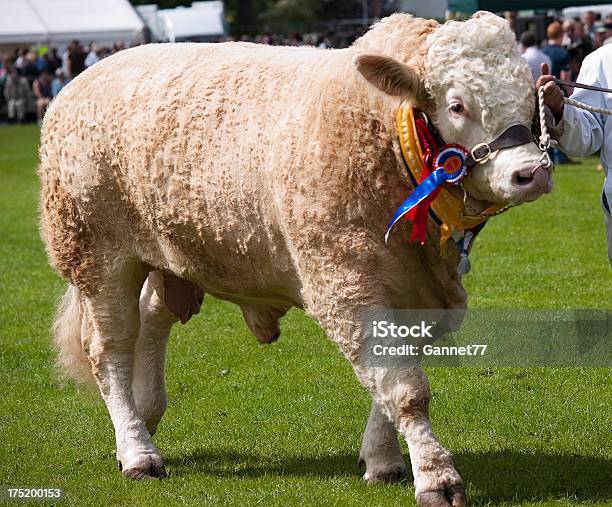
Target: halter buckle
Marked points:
481	158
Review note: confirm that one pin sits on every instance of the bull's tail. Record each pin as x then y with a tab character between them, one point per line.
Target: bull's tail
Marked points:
71	358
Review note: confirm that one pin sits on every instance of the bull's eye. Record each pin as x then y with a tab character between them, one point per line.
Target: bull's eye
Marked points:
457	108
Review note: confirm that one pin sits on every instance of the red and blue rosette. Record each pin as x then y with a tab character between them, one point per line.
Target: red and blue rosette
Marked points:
450	168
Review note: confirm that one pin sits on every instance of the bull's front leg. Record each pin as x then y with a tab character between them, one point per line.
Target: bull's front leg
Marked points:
380	450
403	394
339	288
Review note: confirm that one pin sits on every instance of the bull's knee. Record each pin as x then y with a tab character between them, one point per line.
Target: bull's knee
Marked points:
409	398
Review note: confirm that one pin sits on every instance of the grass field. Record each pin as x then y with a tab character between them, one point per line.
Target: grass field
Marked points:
278	425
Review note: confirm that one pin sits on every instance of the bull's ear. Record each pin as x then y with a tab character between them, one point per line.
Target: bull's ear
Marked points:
388	75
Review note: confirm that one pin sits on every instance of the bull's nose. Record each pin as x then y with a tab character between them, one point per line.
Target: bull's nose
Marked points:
532	182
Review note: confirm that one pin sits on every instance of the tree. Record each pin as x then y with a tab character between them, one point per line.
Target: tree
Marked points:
287	16
252	17
244	16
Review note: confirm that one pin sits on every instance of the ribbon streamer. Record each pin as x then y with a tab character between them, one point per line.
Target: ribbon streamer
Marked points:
450	169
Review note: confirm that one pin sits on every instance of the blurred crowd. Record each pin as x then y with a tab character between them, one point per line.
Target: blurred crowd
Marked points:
330	40
36	75
31	77
568	42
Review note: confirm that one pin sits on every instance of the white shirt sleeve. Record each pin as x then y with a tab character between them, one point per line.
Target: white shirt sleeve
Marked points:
581	132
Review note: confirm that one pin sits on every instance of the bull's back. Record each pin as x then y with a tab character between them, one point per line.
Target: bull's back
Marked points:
183	144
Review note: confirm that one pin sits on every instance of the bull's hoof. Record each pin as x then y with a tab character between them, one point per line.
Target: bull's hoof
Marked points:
387	473
147	466
452	495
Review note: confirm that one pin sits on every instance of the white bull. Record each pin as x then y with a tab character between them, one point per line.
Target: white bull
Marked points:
266	176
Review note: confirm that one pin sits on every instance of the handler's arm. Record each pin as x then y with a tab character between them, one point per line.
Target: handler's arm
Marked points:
578	131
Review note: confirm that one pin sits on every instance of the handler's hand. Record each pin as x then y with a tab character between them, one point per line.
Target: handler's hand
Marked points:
553	95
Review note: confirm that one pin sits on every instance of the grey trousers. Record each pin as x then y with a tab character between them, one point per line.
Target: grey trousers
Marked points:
608	220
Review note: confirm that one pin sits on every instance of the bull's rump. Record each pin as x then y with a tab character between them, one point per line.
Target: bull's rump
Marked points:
184	145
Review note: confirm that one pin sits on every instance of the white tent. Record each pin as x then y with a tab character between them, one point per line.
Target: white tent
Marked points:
201	20
19	23
150	15
59	21
576	12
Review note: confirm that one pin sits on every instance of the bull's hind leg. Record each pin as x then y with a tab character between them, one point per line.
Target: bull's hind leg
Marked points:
114	322
164	300
380	450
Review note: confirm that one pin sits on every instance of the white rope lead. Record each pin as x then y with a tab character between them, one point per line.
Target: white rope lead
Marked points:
600	110
545	139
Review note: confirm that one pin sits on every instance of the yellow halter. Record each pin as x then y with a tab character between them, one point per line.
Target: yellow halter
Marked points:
448	209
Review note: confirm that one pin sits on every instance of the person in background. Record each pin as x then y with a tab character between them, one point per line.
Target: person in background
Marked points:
30	69
20	59
59	82
296	40
92	56
65	59
3	77
581	132
560	68
510	17
42	91
104	51
118	46
16	92
76	59
588	22
568	32
533	54
55	61
580	47
267	38
6	65
41	62
558	55
603	35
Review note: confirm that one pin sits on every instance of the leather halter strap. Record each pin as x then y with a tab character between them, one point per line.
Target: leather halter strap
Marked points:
515	135
581	85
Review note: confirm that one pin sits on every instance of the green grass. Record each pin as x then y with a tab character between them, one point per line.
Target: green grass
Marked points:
283	425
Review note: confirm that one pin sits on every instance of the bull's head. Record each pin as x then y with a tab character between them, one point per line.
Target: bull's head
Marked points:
476	86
